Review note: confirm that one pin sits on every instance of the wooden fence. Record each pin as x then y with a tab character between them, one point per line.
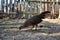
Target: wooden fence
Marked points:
35	7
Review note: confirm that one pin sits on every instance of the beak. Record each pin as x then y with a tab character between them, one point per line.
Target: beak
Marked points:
19	28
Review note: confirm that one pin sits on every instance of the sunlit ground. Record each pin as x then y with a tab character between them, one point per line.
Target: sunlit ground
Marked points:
44	33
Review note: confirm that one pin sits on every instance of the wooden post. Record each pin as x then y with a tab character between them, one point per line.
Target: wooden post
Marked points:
48	5
40	6
2	2
59	12
52	9
6	5
44	5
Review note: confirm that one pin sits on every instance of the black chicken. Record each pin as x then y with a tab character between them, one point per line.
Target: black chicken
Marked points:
35	20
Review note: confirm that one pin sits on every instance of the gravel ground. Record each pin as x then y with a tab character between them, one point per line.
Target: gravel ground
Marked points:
43	33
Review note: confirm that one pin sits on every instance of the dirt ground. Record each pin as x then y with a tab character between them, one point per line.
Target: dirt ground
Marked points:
50	32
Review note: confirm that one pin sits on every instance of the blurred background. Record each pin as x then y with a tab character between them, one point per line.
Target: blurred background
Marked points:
26	8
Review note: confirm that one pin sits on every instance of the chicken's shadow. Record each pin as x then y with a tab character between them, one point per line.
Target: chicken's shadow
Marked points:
54	29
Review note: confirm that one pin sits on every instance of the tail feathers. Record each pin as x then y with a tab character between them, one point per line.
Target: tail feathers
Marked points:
47	12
